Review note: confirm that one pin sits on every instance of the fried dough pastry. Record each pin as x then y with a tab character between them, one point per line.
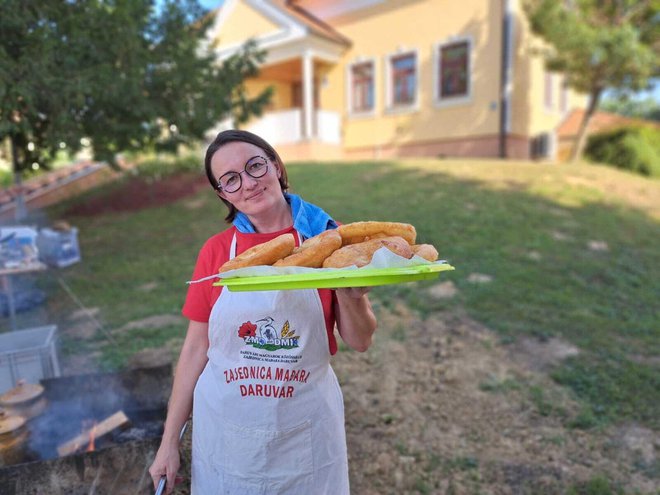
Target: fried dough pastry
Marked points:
360	254
263	254
352	233
313	251
426	251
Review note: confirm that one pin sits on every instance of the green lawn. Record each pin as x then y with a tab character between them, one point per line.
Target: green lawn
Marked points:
572	251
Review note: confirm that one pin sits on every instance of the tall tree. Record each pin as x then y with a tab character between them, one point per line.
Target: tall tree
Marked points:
120	73
598	45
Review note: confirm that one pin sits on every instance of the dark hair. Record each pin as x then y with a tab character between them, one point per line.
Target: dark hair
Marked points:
230	136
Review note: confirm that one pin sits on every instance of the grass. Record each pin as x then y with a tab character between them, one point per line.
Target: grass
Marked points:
528	226
597	485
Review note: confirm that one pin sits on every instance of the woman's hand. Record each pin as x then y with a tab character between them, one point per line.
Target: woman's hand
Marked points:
353	292
355	319
167	464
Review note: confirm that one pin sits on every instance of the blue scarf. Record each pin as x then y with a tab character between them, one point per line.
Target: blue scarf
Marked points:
308	219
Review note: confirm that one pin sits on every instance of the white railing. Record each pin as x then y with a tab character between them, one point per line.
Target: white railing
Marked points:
328	127
279	127
286	127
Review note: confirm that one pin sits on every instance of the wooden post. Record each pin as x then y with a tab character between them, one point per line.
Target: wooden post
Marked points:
102	428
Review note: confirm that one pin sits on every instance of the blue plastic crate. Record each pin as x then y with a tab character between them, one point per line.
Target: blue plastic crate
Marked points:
58	248
18	246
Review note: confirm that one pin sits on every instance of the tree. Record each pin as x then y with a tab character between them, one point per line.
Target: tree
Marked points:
118	73
646	108
598	45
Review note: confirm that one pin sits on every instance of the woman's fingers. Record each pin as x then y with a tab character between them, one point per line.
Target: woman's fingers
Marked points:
354	292
158	485
156	472
170	481
164	469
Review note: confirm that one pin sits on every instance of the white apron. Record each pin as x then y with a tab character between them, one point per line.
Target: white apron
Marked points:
268	413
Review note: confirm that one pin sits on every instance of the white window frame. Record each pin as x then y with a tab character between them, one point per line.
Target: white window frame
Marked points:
349	87
390	107
449	101
549	83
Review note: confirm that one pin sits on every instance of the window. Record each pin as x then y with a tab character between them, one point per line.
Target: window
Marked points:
454	70
403	70
362	87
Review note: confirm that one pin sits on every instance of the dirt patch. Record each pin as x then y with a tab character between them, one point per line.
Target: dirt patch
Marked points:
534	255
479	278
153	322
83	330
598	246
85	313
560	236
194	204
148	287
542	354
80	364
443	290
139	193
150	357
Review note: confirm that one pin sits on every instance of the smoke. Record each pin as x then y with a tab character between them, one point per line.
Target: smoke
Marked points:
75	403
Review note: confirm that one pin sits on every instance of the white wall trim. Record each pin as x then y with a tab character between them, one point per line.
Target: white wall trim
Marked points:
511	7
349	87
323	50
276	15
308	93
390	108
455	100
338	8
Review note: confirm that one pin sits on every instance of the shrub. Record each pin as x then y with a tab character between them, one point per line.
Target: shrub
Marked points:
6	178
158	168
632	148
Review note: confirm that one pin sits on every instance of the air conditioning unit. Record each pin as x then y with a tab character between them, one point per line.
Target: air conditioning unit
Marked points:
543	146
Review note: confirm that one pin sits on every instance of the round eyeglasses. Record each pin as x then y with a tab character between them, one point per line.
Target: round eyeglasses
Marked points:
255	167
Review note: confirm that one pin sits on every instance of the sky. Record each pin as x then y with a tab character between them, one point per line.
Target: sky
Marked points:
210	4
643	95
655	93
207	4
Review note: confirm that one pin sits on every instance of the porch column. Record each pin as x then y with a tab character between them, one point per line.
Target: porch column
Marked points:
308	93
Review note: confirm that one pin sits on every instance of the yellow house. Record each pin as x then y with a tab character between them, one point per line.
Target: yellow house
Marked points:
386	78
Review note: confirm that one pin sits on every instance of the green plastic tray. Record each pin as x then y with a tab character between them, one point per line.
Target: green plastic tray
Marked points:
326	279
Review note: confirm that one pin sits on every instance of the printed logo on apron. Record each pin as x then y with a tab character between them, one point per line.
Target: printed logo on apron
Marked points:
263	334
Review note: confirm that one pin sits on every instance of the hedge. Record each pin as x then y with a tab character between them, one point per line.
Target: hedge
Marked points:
631	148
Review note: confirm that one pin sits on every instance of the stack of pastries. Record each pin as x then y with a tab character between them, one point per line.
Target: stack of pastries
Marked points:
350	244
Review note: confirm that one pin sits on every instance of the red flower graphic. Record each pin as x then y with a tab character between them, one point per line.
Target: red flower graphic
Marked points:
247	329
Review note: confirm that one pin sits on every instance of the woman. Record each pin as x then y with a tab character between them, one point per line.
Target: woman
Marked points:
268	413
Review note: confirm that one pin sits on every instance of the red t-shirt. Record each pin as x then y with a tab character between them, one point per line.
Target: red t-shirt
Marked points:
202	296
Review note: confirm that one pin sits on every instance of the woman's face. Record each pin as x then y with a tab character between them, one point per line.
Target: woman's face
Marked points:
255	195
